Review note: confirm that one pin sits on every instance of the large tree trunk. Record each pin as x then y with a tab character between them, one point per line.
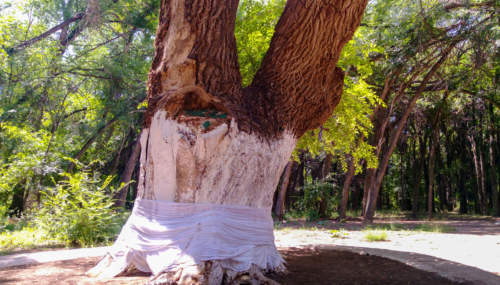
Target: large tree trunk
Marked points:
213	152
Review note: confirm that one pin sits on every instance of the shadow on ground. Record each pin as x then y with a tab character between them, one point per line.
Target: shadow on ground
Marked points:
454	271
319	265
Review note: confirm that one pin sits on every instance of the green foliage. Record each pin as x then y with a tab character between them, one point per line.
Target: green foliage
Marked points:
78	211
319	200
344	132
340	233
55	96
26	238
255	23
423	227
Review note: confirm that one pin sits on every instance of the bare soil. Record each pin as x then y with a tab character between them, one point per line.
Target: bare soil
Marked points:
305	265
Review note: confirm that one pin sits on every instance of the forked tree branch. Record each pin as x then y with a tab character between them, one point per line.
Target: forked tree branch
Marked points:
298	84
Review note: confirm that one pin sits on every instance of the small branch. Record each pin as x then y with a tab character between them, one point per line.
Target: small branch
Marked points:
90	141
75	112
66	23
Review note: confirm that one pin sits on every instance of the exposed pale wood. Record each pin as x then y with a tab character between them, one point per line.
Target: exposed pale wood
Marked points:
185	163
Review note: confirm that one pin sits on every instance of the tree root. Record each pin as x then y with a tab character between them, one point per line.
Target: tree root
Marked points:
212	273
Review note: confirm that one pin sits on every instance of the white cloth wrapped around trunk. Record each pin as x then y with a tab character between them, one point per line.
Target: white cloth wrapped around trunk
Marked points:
162	236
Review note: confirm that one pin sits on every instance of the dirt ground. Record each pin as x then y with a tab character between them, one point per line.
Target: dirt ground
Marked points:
470	251
306	266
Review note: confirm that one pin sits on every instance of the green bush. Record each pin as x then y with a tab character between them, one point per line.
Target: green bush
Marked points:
78	211
319	200
376	236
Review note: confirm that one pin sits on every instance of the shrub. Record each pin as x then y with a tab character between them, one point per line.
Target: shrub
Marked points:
78	211
376	236
319	200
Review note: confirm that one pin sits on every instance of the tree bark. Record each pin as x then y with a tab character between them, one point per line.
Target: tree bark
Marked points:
121	195
478	161
432	162
373	187
345	189
279	209
207	140
418	167
493	168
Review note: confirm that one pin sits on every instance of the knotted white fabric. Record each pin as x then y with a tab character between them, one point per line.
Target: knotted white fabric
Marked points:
162	236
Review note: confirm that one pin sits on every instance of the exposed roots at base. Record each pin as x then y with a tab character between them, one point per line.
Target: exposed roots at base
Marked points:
211	273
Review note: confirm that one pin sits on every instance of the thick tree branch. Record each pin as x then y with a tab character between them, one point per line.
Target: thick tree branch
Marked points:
195	46
298	84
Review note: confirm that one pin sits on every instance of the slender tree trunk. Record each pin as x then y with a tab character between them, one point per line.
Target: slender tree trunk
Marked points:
418	166
441	183
321	173
492	142
121	195
432	162
231	157
478	161
292	184
347	185
450	155
279	209
374	187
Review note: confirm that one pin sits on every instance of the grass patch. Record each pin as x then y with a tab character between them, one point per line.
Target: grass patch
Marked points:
425	227
372	236
435	228
340	233
25	239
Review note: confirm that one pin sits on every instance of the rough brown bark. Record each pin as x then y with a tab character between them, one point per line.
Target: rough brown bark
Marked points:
194	46
298	84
